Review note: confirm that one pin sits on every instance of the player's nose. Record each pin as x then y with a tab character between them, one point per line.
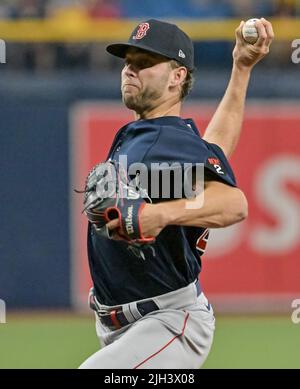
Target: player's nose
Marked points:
130	70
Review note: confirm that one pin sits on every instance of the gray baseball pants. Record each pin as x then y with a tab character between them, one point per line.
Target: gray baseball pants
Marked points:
177	336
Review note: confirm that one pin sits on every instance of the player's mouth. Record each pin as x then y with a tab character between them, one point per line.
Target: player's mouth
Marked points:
129	85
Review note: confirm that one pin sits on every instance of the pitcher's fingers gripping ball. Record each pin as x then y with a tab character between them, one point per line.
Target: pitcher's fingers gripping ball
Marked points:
253	40
257	32
249	31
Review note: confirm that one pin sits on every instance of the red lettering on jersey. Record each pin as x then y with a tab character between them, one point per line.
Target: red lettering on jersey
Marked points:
202	242
142	31
214	161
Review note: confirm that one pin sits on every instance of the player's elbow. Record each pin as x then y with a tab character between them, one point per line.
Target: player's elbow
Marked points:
242	207
234	209
238	209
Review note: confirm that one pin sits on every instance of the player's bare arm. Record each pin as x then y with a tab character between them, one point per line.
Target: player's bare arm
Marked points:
223	206
225	126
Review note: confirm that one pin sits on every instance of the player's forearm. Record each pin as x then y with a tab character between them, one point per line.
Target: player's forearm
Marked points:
220	208
225	126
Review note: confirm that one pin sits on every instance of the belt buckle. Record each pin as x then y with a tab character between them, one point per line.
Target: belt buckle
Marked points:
102	314
109	319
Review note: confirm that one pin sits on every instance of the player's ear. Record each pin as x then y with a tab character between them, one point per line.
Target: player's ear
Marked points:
178	75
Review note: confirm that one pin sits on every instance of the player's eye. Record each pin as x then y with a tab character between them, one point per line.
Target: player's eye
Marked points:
138	63
143	64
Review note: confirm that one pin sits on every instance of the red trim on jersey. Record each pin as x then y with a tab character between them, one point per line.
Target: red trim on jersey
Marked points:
114	319
202	245
166	345
202	241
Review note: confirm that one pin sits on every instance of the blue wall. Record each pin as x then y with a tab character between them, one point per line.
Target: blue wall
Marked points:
34	248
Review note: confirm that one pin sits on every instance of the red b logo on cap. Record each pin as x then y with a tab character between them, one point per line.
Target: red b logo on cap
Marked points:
142	31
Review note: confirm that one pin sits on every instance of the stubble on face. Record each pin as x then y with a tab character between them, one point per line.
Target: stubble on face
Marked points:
141	100
147	89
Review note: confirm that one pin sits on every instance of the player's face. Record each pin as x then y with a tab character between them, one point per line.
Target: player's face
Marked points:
145	80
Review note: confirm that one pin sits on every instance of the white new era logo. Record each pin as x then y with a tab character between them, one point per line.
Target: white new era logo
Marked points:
181	54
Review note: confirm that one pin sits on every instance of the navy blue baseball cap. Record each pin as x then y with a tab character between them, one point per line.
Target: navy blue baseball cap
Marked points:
161	38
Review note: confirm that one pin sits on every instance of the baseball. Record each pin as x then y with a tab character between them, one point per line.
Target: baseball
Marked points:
249	31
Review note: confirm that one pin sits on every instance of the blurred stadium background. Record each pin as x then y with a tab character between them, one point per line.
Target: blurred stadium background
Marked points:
59	108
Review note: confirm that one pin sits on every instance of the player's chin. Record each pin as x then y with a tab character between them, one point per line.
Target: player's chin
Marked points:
129	100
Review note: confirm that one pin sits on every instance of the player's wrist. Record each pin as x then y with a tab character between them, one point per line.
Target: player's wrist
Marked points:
171	212
165	216
241	68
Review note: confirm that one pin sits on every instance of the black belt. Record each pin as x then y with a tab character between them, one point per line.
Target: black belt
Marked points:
116	318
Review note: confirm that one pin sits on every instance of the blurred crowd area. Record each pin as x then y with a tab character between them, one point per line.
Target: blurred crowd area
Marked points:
14	9
53	57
